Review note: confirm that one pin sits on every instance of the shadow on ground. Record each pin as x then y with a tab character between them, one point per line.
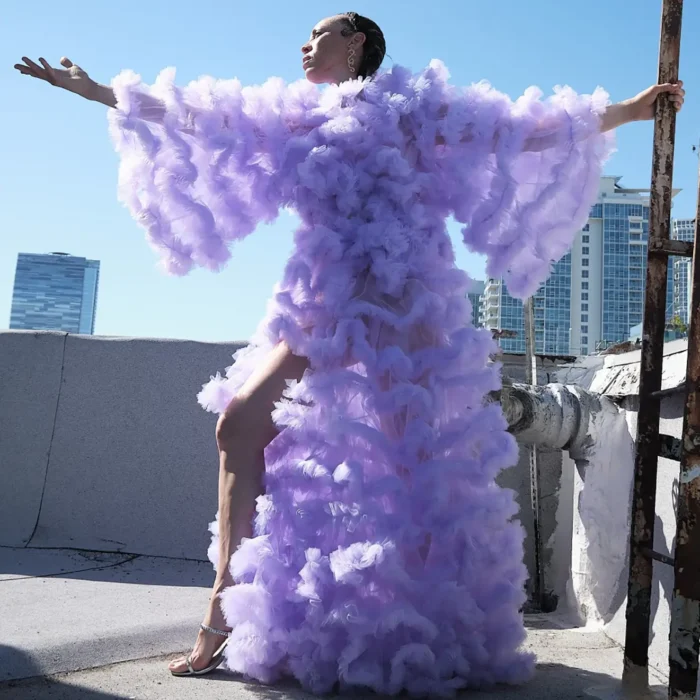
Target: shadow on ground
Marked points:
40	687
552	681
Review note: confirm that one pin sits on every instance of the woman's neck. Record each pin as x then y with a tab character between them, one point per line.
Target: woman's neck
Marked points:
343	74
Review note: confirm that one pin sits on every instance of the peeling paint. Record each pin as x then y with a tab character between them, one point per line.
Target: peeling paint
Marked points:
690	475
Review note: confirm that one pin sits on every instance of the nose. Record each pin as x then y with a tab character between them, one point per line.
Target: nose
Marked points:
306	48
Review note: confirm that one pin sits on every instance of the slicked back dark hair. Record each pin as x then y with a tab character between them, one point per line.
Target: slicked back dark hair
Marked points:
374	48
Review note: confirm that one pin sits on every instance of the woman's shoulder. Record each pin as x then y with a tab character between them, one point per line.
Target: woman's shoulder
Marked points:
403	89
396	88
399	78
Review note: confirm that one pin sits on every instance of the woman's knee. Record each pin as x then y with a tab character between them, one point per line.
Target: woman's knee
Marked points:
228	427
239	427
247	422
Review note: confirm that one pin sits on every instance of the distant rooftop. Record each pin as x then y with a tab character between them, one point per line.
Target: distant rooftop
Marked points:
618	189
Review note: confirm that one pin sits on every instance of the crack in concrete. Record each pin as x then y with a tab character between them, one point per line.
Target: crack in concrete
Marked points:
130	558
53	433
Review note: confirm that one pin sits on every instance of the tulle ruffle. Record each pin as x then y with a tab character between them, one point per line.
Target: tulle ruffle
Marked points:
384	554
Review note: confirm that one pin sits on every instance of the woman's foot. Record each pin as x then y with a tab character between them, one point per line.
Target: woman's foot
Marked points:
207	643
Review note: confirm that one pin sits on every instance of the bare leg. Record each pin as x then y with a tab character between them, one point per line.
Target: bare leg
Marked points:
242	433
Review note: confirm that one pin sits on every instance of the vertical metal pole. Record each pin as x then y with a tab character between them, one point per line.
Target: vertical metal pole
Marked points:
530	357
685	608
531	378
646	459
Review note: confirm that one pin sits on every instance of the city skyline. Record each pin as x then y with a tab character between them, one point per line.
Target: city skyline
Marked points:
55	291
595	293
553	303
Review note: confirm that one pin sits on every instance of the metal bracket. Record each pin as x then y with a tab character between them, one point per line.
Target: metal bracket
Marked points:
670	246
657	556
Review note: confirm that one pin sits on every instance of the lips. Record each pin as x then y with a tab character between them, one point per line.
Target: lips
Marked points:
306	60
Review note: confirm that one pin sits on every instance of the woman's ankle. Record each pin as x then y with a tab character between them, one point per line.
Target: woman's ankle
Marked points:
215	615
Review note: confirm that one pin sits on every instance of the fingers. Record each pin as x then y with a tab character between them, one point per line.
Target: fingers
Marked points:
66	62
24	70
676	101
675	92
37	69
51	77
670	87
677	88
44	71
29	68
663	88
677	95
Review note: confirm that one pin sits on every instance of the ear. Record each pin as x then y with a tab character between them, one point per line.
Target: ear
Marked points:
358	39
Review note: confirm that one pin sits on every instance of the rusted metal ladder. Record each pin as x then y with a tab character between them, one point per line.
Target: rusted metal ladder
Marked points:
685	608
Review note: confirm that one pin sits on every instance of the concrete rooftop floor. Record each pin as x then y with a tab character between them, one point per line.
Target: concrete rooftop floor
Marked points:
94	626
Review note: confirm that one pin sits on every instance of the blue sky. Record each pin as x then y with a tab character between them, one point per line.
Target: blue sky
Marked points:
58	181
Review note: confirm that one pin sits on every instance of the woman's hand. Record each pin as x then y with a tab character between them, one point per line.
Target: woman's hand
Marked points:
71	77
641	106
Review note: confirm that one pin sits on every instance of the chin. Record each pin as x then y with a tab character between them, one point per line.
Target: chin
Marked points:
313	75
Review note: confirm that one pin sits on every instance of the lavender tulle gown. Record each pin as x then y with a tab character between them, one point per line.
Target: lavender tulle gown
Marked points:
384	554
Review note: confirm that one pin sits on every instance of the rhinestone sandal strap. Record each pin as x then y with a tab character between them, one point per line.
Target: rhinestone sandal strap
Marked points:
221	633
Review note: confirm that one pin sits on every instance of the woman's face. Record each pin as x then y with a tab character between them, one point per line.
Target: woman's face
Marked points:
325	54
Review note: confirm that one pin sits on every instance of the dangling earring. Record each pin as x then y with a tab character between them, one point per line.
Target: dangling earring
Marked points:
351	60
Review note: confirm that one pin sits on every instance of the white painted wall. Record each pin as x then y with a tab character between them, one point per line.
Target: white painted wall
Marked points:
596	589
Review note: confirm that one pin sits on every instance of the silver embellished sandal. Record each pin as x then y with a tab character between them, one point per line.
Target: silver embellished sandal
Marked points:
215	660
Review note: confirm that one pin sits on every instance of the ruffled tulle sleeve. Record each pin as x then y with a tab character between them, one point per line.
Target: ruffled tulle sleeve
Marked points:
202	165
521	175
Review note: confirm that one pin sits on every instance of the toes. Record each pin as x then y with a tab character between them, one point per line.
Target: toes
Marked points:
177	664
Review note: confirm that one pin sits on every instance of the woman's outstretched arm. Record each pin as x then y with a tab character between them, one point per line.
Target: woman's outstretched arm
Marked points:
71	77
641	106
74	79
200	165
637	108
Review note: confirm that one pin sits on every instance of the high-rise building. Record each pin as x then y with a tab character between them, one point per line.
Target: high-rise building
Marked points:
552	307
475	295
683	230
56	292
595	293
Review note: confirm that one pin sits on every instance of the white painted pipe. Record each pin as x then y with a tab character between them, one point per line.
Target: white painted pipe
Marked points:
595	432
553	415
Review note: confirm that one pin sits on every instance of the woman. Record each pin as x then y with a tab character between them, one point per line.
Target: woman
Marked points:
382	554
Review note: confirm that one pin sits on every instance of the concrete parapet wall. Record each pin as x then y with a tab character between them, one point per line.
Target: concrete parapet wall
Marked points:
30	379
104	447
